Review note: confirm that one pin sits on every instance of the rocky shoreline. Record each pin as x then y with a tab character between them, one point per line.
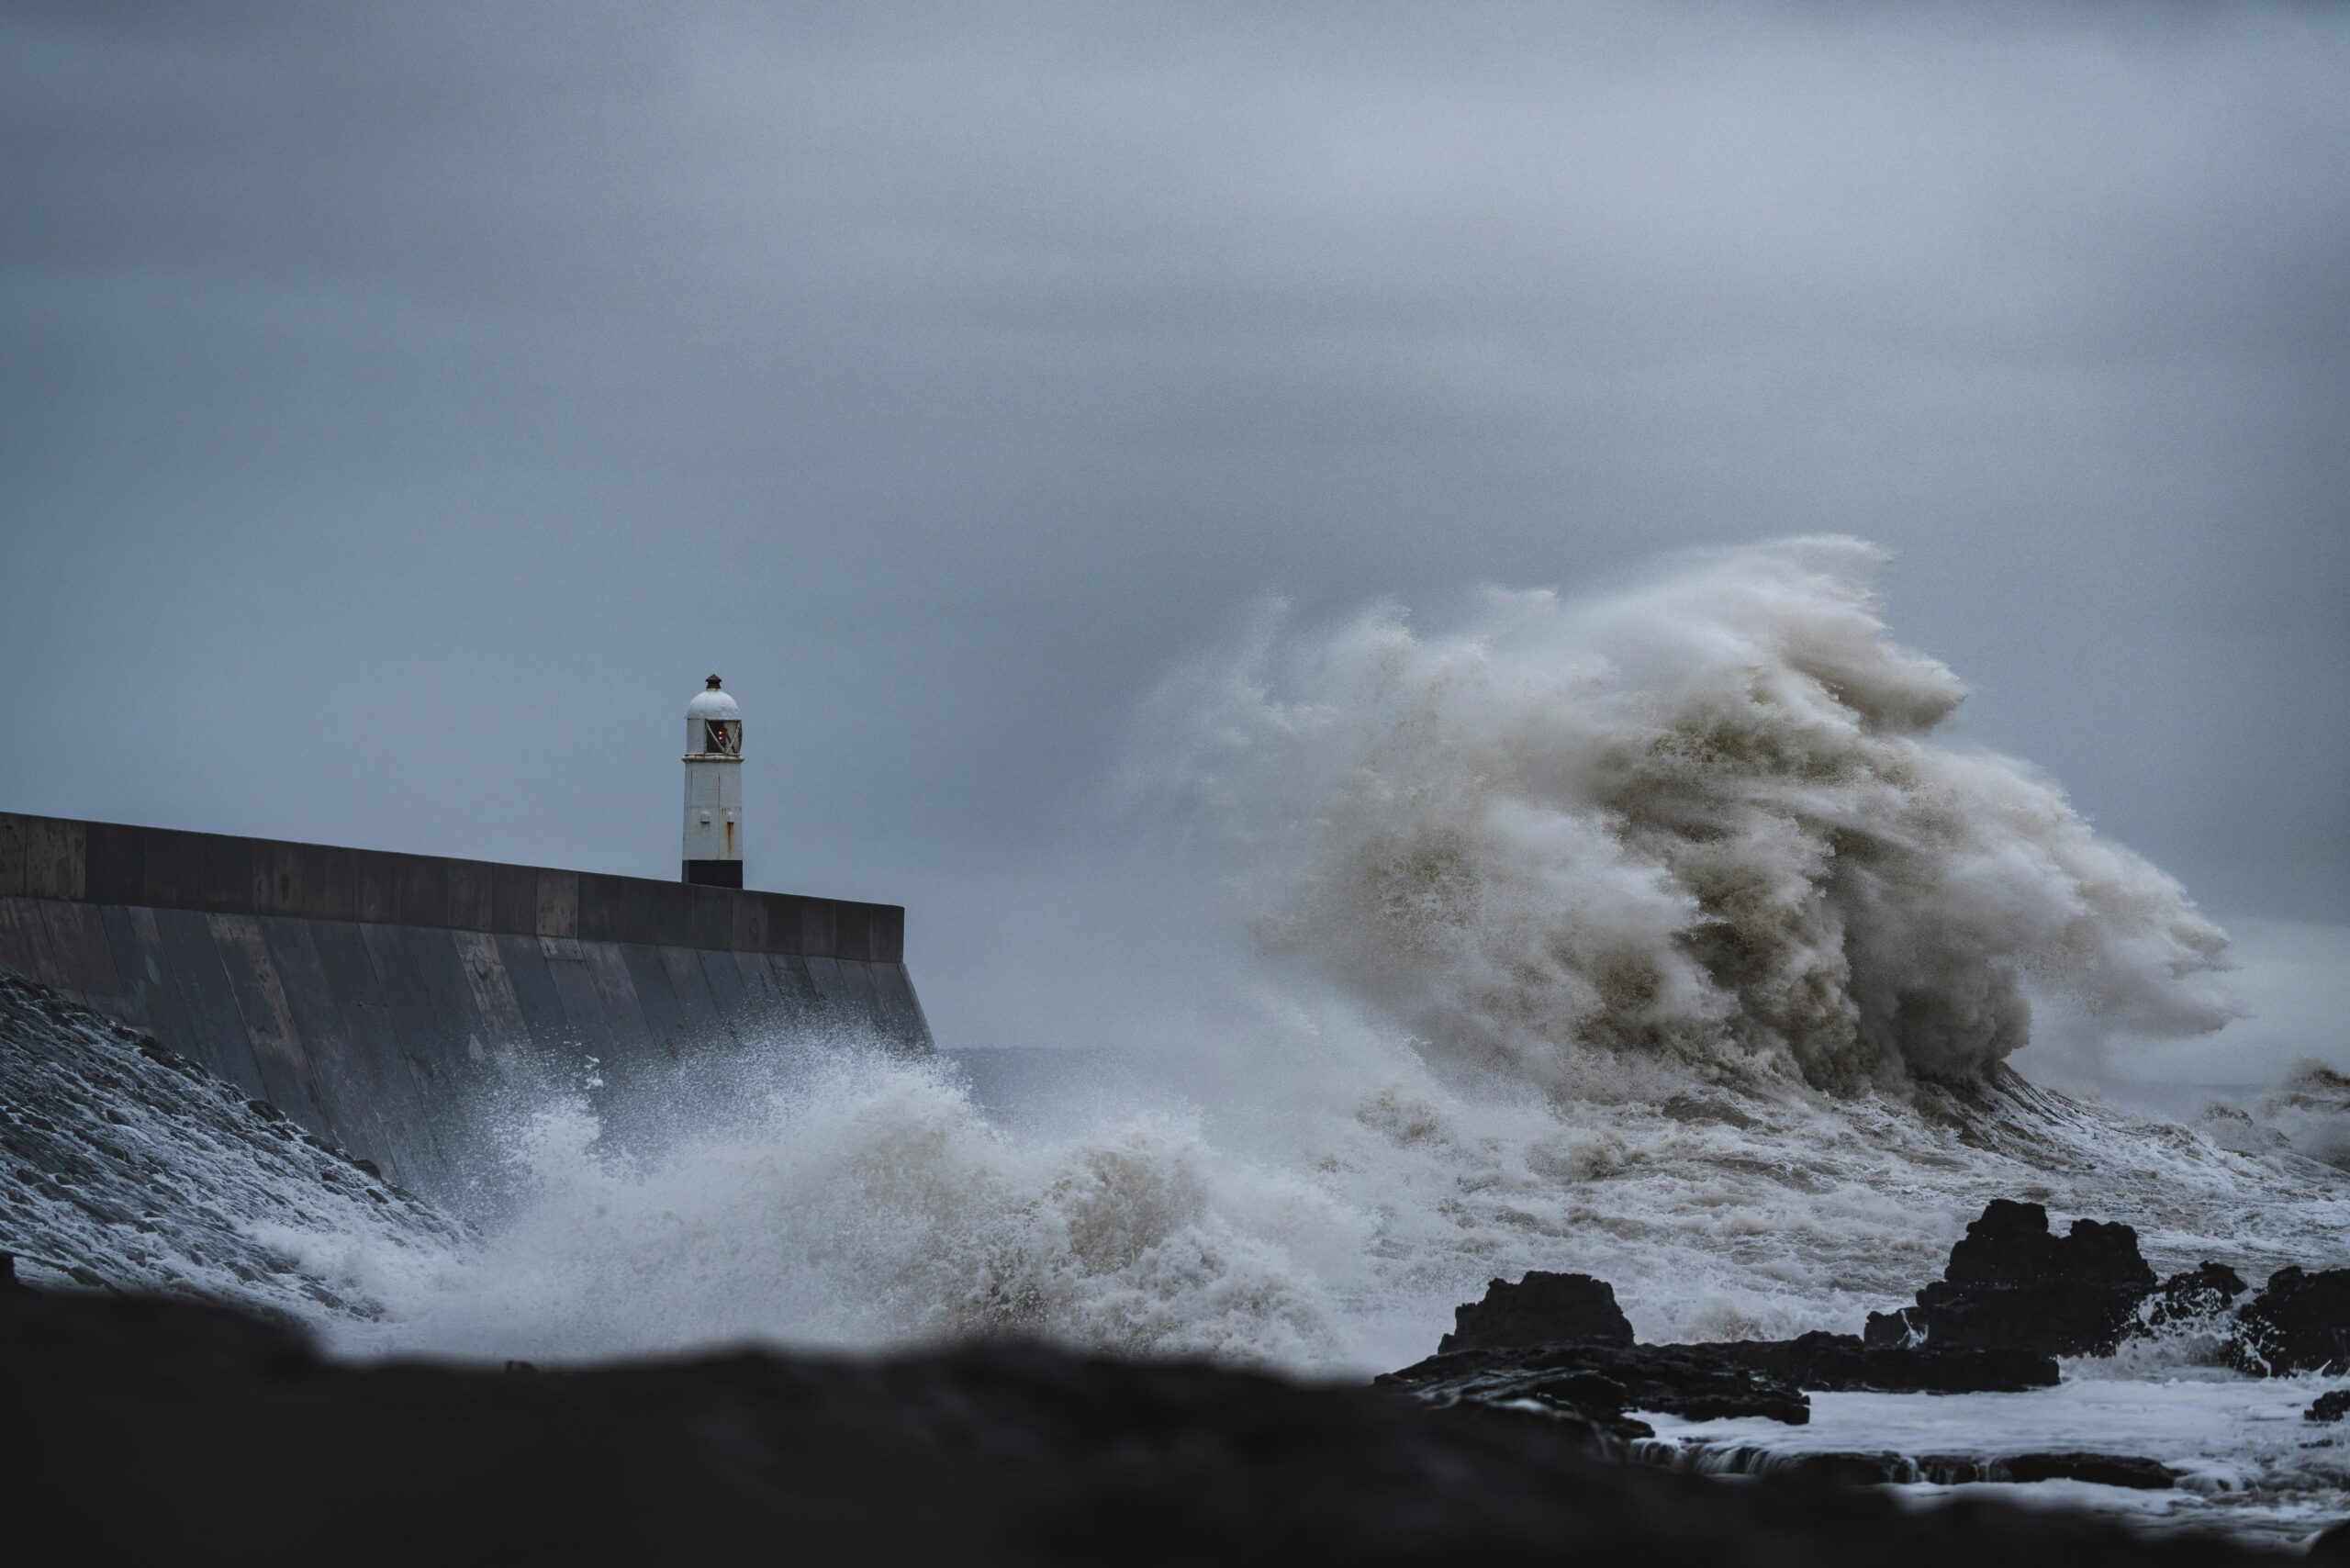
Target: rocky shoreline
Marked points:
166	1426
171	1428
2013	1298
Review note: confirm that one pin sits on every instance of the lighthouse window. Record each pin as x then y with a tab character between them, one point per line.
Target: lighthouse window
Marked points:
724	735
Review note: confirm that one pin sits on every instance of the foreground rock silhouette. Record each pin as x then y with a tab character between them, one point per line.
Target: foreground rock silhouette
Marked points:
188	1433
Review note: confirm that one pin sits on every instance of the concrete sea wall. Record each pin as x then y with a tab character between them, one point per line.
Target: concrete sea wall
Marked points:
385	1001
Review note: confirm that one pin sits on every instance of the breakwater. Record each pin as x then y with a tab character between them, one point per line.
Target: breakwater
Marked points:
381	1000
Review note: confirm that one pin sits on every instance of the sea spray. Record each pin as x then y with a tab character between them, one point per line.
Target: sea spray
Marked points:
862	1202
1664	937
128	1169
1712	821
868	1205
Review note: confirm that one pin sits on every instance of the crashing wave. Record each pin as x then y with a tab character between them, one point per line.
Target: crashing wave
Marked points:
1716	820
2309	1112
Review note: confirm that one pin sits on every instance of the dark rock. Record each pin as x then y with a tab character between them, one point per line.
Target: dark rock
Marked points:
1902	1327
167	1432
2300	1323
2331	1406
1841	1363
1542	1309
2196	1298
9	1283
1557	1348
1826	1467
1887	1467
1599	1384
2100	1469
2013	1284
2011	1245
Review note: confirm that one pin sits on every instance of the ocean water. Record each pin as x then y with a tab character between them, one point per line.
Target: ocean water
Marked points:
1669	936
2248	1464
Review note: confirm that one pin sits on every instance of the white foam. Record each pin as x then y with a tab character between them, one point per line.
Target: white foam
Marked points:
2247	1461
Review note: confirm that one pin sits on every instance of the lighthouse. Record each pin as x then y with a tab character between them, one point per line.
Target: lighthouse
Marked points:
714	855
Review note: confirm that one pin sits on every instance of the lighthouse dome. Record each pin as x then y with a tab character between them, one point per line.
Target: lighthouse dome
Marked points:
713	841
711	703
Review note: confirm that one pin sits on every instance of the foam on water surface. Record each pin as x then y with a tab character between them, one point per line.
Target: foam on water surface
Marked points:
2247	1461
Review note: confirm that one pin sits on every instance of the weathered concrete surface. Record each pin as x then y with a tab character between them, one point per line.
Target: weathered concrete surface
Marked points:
382	1001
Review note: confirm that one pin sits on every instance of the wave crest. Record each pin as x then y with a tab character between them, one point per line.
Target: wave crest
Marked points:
1713	821
863	1202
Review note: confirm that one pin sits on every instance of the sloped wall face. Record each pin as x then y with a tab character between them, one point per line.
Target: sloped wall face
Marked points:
388	1001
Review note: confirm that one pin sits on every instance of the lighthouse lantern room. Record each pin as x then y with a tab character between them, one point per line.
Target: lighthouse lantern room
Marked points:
713	857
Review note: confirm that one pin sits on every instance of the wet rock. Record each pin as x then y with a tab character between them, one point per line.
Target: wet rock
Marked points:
1601	1385
1860	1467
1540	1309
2332	1405
2196	1298
1822	1467
2300	1323
2098	1469
2011	1283
1894	1330
1843	1363
1598	1384
1557	1348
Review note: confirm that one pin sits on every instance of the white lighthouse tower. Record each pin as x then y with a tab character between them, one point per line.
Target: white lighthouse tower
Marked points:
713	790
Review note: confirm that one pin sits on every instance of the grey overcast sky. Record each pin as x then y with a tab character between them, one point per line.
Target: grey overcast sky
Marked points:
402	406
